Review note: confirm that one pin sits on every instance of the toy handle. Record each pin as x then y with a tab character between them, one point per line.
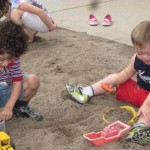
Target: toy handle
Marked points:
119	123
108	88
121	126
131	109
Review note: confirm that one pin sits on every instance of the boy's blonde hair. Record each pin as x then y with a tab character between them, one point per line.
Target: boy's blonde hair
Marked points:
140	35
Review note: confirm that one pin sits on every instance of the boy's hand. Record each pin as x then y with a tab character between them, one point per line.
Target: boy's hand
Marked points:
6	114
145	111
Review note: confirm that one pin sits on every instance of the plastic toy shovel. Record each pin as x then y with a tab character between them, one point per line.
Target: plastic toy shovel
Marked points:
108	88
2	126
109	134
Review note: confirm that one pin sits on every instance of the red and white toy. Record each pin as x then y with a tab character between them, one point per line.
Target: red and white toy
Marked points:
109	134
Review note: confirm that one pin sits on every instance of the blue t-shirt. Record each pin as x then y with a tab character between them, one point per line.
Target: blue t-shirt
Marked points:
143	74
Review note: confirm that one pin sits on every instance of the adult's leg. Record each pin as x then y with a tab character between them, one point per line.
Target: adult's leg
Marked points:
16	16
34	22
31	33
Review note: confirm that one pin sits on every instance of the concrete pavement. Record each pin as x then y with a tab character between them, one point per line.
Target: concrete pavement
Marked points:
126	14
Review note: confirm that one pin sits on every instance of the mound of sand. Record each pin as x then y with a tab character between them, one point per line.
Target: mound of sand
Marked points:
66	56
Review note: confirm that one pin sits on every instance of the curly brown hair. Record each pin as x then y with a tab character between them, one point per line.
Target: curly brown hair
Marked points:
4	7
13	39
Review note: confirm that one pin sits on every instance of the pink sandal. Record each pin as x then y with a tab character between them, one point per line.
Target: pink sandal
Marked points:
107	20
92	20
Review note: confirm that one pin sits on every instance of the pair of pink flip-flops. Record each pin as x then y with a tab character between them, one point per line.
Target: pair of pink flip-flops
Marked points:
107	21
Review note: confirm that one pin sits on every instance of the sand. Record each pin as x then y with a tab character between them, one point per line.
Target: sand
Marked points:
66	56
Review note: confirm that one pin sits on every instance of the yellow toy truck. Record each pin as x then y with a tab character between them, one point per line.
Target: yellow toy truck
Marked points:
5	143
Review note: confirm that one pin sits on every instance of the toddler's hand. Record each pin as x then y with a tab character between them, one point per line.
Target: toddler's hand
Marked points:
145	111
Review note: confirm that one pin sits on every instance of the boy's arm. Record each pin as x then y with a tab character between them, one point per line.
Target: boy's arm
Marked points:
127	73
6	113
39	12
16	90
145	109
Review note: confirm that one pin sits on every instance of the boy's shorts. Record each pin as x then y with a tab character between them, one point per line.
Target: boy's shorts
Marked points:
132	93
5	92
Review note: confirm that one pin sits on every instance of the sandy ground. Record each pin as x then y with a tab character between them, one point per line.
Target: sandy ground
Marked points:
66	56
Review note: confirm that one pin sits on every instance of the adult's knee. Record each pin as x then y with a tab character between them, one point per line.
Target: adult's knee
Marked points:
16	15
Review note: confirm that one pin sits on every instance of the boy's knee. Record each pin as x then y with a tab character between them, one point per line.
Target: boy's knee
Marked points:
33	81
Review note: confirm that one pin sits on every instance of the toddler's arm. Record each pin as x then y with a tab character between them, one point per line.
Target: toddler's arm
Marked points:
145	109
115	79
127	73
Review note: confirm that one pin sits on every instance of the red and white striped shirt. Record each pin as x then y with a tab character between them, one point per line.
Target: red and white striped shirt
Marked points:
11	73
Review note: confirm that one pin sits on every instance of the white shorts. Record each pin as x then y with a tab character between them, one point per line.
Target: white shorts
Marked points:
34	22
